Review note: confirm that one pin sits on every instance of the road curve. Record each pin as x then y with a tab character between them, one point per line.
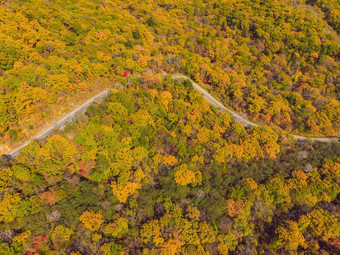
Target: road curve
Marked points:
216	103
238	118
61	122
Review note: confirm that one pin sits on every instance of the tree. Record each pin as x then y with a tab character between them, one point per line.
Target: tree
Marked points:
174	244
61	234
235	208
320	224
9	206
21	238
60	149
151	232
226	243
10	52
21	172
184	176
117	229
124	190
206	233
289	236
91	220
111	248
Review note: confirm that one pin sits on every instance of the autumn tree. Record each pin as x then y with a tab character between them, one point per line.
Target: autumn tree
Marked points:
91	220
289	236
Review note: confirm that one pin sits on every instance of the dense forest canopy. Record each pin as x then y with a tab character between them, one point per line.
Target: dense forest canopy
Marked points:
155	168
276	61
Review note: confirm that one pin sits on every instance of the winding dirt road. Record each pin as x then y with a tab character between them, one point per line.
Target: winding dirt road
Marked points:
82	108
62	122
238	118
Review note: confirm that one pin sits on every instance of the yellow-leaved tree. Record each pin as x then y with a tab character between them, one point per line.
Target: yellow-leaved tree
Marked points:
123	191
91	220
184	176
289	236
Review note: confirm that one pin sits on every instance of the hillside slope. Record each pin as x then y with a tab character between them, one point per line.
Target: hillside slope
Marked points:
156	169
275	63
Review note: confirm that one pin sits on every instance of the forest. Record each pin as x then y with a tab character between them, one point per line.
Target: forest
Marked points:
275	61
155	168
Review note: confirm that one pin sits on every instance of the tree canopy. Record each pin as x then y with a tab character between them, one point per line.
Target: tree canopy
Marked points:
187	182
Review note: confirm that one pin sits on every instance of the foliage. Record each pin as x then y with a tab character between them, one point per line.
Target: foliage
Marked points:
271	60
143	176
91	220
